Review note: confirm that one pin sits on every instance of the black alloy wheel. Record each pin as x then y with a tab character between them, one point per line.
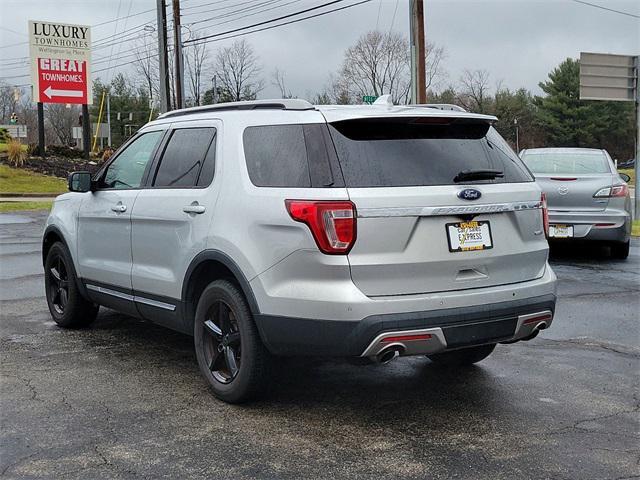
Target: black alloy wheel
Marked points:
223	344
58	291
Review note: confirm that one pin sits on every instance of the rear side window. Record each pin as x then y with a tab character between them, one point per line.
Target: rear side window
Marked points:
276	156
566	162
184	157
420	152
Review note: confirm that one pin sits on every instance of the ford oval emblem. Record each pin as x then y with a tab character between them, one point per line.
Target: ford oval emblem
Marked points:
469	194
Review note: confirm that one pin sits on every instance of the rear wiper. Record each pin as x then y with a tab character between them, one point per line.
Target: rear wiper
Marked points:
465	175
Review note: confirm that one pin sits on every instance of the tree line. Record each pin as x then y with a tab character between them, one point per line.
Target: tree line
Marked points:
378	63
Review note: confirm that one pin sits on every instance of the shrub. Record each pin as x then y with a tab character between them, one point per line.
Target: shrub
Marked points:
33	150
16	153
4	135
63	151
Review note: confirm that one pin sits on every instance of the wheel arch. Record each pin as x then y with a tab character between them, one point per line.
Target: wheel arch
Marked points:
52	234
206	267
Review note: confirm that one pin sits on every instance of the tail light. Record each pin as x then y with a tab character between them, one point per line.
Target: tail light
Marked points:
615	191
545	214
333	224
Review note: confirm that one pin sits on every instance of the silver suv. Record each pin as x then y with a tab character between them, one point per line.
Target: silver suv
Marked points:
281	228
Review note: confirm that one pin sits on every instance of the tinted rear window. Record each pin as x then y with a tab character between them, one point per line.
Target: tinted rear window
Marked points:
406	152
566	162
183	158
276	156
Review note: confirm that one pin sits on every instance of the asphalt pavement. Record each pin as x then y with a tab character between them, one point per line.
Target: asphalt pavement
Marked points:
124	398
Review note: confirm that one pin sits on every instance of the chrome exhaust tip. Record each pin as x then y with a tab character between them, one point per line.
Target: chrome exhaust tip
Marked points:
388	354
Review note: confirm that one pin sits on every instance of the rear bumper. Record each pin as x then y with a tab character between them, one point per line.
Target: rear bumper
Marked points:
611	224
447	328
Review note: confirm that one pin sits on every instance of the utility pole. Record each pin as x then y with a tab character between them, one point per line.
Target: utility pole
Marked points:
177	46
86	131
163	56
418	70
41	147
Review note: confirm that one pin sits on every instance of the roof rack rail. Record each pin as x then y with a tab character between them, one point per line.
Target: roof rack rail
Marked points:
443	106
278	104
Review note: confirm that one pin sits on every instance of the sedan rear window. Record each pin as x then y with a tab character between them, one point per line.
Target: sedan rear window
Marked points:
421	151
566	162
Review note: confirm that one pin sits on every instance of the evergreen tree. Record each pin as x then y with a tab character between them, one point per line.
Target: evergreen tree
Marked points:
570	122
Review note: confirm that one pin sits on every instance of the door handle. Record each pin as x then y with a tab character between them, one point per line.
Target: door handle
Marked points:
119	208
194	208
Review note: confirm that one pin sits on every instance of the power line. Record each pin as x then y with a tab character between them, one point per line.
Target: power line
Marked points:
393	19
266	21
240	10
235	19
203	40
607	8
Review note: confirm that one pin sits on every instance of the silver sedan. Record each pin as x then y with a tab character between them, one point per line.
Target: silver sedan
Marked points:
587	198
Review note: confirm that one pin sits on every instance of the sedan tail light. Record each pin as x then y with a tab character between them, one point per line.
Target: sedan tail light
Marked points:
545	214
332	223
615	191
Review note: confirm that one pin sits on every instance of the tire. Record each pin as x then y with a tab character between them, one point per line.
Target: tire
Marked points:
228	347
620	250
68	307
464	356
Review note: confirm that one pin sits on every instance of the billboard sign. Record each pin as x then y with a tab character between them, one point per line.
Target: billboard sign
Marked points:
604	76
60	62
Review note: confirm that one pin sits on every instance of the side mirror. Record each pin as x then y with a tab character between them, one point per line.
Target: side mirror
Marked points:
79	182
625	177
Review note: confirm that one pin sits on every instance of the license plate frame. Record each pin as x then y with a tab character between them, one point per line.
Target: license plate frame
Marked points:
480	226
566	230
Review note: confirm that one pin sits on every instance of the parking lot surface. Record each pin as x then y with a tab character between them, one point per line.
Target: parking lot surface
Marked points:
124	399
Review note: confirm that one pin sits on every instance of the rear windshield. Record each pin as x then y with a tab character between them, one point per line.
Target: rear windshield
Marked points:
411	152
566	162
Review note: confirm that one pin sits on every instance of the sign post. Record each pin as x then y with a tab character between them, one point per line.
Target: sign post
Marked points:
614	78
60	68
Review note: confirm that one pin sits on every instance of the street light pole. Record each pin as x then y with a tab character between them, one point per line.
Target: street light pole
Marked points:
215	88
515	122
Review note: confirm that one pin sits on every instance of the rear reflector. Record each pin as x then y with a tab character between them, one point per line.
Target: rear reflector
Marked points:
539	318
406	338
604	225
332	224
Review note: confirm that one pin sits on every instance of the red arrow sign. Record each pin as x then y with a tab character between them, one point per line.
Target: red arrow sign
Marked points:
62	80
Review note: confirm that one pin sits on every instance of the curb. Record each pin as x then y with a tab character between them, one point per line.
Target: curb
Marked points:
30	195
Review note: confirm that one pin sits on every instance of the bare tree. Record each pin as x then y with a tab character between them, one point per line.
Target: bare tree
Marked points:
28	115
434	57
377	64
279	82
194	57
8	102
475	93
62	118
147	65
380	63
238	69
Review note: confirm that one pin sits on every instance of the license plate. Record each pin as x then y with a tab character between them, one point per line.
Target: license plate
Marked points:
468	236
561	231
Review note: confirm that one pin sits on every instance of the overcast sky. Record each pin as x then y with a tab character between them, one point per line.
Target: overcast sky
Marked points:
517	41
